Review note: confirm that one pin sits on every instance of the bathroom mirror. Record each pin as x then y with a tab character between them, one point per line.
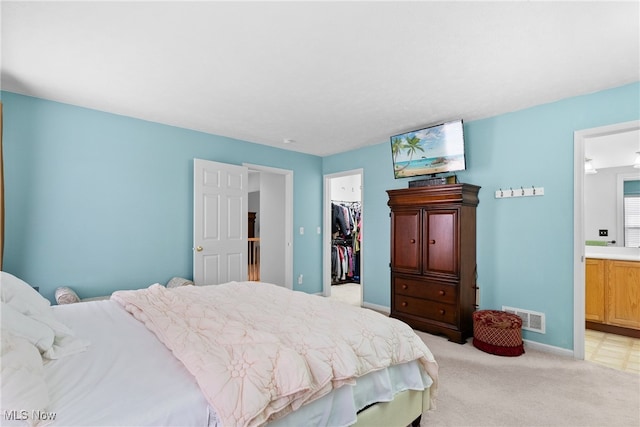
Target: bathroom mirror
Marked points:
612	157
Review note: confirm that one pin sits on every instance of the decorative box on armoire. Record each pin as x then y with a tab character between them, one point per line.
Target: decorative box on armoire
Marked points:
433	258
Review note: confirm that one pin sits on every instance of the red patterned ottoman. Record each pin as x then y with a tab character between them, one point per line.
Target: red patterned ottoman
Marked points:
497	332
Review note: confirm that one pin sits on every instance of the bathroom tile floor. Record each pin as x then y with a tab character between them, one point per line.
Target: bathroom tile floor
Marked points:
614	351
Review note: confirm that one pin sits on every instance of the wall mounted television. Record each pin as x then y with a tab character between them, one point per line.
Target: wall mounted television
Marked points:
429	151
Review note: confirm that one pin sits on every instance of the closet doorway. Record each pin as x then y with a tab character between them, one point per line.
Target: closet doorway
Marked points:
343	237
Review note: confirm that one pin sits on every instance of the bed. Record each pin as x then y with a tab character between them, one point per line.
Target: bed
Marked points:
129	360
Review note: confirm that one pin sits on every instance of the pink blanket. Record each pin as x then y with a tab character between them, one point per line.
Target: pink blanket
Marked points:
259	351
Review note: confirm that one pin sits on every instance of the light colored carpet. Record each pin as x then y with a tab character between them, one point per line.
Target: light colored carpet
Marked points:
535	389
347	292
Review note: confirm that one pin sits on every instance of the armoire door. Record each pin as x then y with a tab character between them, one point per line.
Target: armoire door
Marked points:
441	241
405	245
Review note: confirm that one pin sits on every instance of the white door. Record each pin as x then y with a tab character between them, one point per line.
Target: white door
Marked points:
220	194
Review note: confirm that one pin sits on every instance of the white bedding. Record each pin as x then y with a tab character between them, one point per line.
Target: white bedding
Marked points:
126	377
116	381
260	351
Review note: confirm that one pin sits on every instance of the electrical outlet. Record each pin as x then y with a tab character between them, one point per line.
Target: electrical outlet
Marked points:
604	233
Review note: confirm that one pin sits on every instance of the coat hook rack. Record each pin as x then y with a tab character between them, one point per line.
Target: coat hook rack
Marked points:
505	193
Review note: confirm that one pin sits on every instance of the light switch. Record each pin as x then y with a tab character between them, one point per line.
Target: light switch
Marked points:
301	230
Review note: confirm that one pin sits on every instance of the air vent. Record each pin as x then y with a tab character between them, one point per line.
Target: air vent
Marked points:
531	320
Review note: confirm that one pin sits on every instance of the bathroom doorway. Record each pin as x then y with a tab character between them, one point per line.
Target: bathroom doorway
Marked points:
581	140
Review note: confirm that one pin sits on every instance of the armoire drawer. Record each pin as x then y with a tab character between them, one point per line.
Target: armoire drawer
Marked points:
440	292
424	308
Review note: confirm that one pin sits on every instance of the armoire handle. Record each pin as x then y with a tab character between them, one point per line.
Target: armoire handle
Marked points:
432	242
412	240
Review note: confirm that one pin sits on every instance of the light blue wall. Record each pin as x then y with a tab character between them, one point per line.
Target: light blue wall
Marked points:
525	245
102	202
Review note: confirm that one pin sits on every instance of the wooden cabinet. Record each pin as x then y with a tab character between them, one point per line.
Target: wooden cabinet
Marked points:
594	290
612	295
623	293
440	251
406	248
433	258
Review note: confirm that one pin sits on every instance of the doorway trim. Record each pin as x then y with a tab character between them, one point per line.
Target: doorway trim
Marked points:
288	217
326	225
579	140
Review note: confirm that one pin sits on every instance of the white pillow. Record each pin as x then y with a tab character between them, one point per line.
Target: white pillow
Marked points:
66	295
22	326
25	300
176	282
21	296
23	384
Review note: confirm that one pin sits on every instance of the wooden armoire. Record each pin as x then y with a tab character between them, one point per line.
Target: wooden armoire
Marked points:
433	258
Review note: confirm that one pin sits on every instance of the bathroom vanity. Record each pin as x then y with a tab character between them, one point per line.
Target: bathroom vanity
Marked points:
612	294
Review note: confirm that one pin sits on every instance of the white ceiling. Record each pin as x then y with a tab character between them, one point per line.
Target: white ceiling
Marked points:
614	150
332	76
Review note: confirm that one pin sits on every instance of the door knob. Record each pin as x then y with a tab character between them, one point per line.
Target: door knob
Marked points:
199	248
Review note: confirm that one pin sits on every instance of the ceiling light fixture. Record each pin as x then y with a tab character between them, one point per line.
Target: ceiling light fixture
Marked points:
636	164
588	167
289	141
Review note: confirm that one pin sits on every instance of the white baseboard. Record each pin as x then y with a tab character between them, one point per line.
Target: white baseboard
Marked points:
546	348
376	307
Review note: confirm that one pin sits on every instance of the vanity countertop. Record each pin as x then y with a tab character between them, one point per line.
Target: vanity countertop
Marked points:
612	252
